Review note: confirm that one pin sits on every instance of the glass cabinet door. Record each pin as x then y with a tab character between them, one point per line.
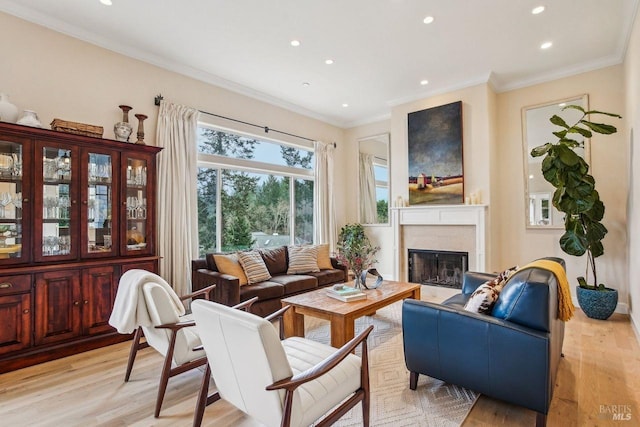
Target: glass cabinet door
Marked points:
137	203
56	194
98	204
14	201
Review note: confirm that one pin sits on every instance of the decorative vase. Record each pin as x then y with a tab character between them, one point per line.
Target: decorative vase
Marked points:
8	111
141	118
123	129
373	272
597	304
30	118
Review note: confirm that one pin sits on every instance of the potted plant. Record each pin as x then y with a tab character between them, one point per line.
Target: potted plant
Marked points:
576	196
356	251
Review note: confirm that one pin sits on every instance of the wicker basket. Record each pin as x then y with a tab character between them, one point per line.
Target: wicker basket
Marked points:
77	128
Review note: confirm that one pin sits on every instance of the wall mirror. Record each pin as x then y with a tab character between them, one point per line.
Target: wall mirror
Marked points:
373	179
538	130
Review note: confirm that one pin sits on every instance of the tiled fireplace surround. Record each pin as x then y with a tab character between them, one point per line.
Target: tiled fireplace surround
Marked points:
439	227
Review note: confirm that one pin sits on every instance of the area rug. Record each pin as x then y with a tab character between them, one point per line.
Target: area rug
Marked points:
433	404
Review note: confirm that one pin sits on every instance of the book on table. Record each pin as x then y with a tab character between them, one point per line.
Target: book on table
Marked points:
346	293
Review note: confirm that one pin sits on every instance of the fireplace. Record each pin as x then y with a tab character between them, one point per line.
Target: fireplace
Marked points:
437	268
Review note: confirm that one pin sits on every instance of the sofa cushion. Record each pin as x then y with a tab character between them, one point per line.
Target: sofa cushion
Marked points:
262	290
458	300
324	257
229	264
486	295
294	283
302	259
253	266
275	259
526	297
326	277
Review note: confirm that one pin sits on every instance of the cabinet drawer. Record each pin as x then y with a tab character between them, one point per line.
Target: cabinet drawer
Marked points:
15	284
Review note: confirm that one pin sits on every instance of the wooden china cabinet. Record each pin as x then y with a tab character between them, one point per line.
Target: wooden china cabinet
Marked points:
75	213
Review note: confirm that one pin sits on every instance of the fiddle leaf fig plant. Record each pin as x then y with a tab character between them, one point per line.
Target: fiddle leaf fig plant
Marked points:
575	189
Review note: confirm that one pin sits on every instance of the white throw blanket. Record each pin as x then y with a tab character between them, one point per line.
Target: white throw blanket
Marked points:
130	307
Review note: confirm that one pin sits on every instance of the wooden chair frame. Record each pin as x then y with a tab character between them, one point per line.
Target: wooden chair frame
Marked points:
167	370
292	383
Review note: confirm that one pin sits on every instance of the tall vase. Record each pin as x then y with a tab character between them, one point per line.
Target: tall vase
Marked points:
8	111
141	118
123	129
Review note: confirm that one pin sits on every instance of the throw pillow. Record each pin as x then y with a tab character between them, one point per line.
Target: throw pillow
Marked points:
303	259
485	296
228	264
324	258
254	266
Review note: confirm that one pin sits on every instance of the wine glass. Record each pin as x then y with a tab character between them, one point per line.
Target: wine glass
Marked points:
17	202
5	200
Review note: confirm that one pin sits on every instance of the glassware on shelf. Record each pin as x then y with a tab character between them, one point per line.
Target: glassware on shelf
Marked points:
5	200
17	165
17	202
6	165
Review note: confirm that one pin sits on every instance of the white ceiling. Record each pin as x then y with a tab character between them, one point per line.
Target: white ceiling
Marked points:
381	48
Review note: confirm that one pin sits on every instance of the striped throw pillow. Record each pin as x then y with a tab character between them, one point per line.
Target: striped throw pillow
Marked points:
254	267
303	259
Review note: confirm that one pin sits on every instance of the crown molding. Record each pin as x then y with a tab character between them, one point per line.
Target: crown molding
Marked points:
35	17
584	67
368	120
474	81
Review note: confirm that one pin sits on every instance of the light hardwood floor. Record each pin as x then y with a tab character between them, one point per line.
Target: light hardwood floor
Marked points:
601	370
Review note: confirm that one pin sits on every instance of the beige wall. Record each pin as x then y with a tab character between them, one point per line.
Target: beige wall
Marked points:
62	77
632	136
608	165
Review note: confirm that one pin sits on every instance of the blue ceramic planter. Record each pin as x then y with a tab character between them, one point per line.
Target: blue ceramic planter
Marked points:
597	304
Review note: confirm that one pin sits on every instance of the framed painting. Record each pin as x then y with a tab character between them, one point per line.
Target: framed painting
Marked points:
435	155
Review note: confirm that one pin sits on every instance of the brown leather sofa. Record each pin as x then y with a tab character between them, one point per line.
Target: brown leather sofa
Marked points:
228	291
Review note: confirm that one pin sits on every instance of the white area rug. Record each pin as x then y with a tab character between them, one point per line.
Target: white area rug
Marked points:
432	404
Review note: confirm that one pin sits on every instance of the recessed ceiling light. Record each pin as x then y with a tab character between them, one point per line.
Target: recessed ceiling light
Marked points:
306	84
537	10
106	2
329	61
345	105
424	82
531	176
546	45
295	43
562	104
428	19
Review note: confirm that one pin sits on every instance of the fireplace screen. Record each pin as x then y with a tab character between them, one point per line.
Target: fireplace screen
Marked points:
438	268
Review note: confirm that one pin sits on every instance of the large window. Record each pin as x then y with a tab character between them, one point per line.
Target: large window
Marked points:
252	192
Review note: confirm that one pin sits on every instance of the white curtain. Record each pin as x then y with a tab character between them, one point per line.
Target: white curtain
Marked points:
177	200
323	202
368	202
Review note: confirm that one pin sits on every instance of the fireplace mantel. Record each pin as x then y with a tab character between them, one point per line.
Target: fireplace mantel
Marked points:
473	215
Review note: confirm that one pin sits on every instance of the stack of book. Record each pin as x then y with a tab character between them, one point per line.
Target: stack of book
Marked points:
346	293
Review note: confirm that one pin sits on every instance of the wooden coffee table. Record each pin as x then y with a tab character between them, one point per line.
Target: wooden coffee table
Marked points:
342	315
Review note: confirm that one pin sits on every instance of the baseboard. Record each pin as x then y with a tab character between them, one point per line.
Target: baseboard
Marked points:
636	328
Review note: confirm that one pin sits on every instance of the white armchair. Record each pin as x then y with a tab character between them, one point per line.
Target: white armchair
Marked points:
147	304
293	382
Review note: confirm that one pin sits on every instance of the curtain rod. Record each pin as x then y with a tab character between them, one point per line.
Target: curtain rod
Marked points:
266	129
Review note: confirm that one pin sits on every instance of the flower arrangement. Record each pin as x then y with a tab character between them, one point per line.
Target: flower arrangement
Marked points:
355	250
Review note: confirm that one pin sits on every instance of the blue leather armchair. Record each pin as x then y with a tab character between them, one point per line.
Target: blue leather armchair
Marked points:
511	355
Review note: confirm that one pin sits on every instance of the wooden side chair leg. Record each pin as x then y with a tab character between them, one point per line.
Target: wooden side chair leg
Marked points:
166	373
135	344
203	398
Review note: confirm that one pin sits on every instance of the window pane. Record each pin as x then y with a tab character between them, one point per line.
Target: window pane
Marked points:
304	211
211	141
255	210
207	188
